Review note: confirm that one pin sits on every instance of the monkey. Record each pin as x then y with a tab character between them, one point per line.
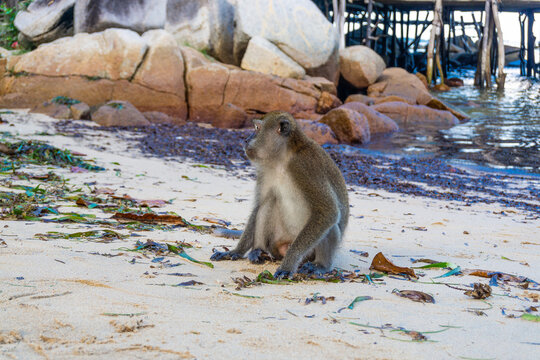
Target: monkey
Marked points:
301	206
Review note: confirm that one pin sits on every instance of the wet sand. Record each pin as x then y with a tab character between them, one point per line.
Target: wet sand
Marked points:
66	298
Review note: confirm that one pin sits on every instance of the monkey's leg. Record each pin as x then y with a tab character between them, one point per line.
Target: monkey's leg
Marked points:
244	244
309	238
324	253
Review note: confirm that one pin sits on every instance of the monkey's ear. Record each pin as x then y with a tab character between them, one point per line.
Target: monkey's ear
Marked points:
284	127
257	123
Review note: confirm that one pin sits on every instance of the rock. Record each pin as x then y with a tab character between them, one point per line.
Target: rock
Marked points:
44	20
436	103
393	98
329	70
206	25
441	87
327	102
406	115
423	79
454	82
263	56
119	113
4	53
360	65
227	96
163	69
54	110
348	125
364	99
140	16
112	54
378	123
156	117
319	132
297	27
399	82
322	84
80	111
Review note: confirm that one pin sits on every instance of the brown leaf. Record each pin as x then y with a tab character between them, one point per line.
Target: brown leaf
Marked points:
500	275
481	291
81	202
380	263
105	190
414	295
151	218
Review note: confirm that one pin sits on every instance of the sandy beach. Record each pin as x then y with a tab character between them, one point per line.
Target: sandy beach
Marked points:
84	298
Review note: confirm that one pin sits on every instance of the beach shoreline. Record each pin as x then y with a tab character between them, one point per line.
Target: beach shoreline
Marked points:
64	298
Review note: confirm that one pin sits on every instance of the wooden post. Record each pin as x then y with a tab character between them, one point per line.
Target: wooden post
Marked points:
501	77
489	48
484	49
435	33
339	20
369	12
530	43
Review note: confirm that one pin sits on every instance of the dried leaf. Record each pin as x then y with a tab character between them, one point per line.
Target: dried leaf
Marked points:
380	263
414	295
480	291
151	218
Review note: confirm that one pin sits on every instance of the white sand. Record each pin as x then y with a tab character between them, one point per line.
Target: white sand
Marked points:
207	321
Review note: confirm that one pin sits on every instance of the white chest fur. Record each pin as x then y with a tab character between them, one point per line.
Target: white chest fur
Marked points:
289	213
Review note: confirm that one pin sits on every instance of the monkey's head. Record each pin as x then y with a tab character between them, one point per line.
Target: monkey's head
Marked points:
271	137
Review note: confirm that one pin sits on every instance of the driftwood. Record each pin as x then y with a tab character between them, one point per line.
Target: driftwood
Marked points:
435	36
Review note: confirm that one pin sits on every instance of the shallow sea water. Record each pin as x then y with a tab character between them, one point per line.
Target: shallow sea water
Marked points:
503	133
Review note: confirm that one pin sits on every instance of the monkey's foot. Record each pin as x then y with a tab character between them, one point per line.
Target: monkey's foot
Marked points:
225	255
283	274
310	268
259	256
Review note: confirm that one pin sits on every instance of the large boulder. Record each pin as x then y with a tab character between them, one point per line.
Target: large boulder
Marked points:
399	82
206	25
227	96
349	126
163	67
319	132
378	123
112	54
96	68
297	27
44	20
364	99
140	16
263	56
360	65
119	113
406	115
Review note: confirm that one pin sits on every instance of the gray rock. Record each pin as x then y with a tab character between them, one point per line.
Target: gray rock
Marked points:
360	65
119	113
204	25
297	27
54	110
265	57
45	21
140	16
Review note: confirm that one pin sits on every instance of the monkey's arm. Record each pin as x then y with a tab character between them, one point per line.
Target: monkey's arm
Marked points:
244	244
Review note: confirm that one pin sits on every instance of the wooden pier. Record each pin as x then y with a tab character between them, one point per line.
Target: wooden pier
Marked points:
393	28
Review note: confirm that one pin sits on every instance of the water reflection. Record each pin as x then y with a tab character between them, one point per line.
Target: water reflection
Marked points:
504	130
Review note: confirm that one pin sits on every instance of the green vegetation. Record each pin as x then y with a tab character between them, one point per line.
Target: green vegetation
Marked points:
8	32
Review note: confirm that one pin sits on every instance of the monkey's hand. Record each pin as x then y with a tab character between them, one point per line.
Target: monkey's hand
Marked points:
225	255
283	274
310	268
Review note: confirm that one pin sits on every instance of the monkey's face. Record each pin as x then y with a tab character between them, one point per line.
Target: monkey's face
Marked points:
270	139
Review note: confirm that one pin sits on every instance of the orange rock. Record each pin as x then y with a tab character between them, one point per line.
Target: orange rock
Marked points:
399	82
454	82
423	79
406	115
349	126
441	87
392	98
119	113
327	102
378	123
360	98
321	133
